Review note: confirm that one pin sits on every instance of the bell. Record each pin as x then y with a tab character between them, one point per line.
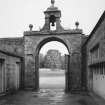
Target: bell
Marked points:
53	24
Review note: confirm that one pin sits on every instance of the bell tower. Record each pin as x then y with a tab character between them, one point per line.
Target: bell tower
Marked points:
52	18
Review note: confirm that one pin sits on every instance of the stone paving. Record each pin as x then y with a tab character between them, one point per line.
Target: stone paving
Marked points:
46	97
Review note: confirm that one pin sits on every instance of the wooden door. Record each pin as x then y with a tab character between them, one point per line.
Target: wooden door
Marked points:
37	72
67	73
17	75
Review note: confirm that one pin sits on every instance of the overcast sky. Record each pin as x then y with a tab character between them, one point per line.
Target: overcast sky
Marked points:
54	45
16	15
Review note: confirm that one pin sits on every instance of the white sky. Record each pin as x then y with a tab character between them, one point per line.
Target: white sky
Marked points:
16	15
54	45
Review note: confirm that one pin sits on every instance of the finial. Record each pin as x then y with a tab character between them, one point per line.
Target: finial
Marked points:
30	26
52	2
76	24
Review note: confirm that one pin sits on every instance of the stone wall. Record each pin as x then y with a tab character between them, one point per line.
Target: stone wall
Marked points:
13	45
33	43
11	69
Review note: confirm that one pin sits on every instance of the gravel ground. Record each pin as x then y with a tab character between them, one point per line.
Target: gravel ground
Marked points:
46	97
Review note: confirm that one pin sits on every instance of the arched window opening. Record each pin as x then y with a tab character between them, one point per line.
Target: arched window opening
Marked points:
52	20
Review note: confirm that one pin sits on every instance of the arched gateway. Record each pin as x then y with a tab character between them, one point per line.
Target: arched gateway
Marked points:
53	31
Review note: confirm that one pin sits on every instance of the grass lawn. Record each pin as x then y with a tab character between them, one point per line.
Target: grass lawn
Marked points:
52	79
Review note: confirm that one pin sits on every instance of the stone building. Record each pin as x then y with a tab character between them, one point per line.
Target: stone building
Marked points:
11	72
94	62
13	45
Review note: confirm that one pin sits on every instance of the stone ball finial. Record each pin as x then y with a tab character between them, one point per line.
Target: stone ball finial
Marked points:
77	25
52	2
30	27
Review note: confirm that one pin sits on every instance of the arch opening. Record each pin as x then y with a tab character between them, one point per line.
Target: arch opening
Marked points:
49	39
54	70
52	21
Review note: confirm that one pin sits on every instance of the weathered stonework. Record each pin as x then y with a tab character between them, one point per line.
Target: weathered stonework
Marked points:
30	45
13	45
34	40
11	72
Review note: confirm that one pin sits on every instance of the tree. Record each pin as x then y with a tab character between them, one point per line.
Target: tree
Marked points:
41	60
63	62
53	59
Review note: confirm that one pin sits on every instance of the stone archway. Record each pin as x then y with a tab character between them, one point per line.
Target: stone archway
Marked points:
33	41
71	38
40	44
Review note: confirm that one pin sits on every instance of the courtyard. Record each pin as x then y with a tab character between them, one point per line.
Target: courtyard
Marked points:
52	84
47	97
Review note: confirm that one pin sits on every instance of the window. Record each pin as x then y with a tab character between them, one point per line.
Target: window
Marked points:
94	52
